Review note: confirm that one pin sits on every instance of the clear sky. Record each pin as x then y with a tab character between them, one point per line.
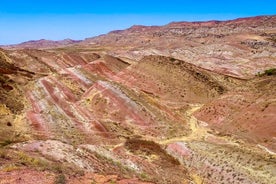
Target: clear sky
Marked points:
23	20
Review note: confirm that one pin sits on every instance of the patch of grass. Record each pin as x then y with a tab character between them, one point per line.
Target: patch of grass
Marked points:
271	71
172	59
268	72
273	39
10	168
27	160
144	176
20	158
57	168
113	181
3	154
63	168
6	143
60	179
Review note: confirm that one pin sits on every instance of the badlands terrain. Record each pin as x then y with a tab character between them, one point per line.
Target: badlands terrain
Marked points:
184	103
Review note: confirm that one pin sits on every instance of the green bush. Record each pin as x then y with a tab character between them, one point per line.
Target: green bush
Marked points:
172	59
268	72
271	71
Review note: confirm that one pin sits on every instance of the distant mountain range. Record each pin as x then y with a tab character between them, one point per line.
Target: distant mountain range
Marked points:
42	43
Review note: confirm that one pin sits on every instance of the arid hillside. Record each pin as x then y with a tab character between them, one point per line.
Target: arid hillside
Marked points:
184	103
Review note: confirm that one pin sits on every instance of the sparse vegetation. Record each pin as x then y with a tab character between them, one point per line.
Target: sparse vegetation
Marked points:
172	59
273	38
10	168
6	143
113	181
3	153
268	72
271	71
60	179
32	161
144	176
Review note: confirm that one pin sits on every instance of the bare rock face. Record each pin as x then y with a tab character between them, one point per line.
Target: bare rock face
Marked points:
180	103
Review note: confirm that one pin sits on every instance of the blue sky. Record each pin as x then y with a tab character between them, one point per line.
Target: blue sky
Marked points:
22	20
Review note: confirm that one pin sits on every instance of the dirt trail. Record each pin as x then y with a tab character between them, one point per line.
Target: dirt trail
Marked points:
198	132
210	157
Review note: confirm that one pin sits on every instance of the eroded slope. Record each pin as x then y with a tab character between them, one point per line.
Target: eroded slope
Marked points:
80	115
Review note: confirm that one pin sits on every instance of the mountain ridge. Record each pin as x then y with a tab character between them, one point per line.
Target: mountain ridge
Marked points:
43	43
